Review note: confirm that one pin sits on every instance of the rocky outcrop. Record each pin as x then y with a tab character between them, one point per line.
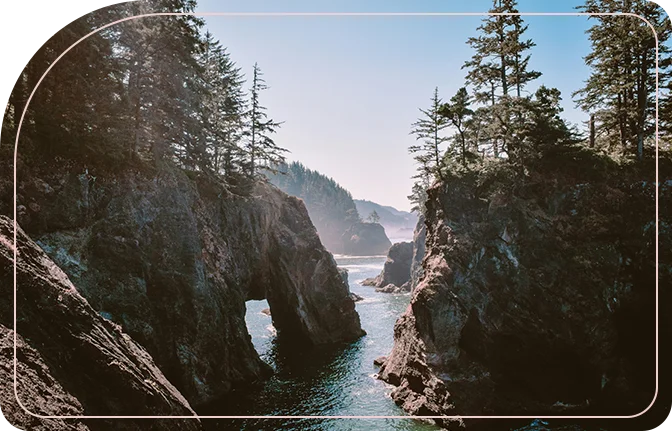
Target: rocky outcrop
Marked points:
396	270
37	389
419	237
72	361
172	258
538	294
365	239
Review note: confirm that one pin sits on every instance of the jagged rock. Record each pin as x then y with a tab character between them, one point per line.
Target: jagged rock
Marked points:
380	360
72	361
365	239
266	311
172	258
37	389
536	299
397	268
390	288
344	274
419	237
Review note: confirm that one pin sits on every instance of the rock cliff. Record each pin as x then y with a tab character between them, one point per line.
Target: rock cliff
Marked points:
397	268
173	257
70	360
419	237
365	239
537	294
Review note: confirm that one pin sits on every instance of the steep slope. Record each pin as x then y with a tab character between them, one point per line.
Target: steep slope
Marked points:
173	260
329	205
71	361
538	293
332	211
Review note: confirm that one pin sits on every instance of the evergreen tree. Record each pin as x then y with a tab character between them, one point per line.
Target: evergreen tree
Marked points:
374	217
457	111
500	61
222	109
621	88
418	196
429	130
261	149
499	64
544	127
70	120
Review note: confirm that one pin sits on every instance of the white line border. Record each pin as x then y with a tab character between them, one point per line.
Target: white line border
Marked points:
344	14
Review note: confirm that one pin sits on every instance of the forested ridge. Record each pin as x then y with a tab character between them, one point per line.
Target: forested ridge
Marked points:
330	206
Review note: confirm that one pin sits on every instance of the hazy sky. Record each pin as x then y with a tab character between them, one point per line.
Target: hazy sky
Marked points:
348	88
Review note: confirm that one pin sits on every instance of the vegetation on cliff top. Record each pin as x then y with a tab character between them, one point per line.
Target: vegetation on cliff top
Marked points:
492	118
141	93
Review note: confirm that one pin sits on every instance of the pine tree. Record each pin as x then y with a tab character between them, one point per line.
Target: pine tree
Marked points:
499	64
499	61
544	127
261	149
457	111
374	217
222	109
73	120
160	58
429	130
621	89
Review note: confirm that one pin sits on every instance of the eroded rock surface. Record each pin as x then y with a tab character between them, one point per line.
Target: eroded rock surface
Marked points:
72	361
534	300
173	259
419	238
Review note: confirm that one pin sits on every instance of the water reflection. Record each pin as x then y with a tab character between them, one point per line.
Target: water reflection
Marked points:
332	381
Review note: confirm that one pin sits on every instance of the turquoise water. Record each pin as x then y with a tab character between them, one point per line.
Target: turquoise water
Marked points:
325	381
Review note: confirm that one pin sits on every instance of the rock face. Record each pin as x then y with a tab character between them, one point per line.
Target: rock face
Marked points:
419	237
397	268
72	361
38	390
365	239
173	259
538	301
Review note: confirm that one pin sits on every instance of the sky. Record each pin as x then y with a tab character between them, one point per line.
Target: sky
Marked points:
349	88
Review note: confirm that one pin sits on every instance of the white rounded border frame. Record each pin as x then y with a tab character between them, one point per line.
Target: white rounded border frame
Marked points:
349	14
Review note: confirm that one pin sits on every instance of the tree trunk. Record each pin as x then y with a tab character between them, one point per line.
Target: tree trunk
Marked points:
642	105
621	121
436	153
592	130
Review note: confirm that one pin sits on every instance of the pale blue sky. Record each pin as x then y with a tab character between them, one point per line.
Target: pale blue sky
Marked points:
348	88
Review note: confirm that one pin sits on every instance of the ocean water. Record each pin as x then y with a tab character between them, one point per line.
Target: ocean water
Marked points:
324	381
